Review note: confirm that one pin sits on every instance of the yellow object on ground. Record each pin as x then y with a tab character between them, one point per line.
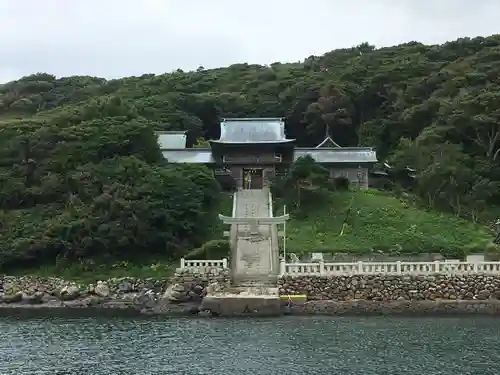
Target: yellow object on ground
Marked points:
294	297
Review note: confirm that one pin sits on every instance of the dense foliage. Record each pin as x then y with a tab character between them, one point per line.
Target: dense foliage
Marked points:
96	188
80	172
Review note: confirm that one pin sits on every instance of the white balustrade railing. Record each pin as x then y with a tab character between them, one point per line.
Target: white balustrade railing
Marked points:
219	263
388	268
364	268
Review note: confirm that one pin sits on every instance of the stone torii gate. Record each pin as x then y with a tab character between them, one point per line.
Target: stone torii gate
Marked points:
253	222
253	246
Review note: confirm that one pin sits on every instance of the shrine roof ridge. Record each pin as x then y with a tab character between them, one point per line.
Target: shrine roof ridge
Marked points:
252	130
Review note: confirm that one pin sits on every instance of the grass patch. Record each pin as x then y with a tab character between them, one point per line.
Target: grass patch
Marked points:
379	222
90	272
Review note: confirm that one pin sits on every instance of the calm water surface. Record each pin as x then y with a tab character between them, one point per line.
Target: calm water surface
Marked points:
291	345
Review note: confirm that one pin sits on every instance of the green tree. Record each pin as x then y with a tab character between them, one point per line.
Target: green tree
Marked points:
303	184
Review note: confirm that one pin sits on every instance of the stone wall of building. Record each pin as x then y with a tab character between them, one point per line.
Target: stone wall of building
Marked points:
393	288
354	175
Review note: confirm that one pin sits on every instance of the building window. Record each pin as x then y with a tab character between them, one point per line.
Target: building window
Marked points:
278	157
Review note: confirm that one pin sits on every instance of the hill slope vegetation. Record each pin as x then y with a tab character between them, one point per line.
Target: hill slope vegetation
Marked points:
365	222
81	175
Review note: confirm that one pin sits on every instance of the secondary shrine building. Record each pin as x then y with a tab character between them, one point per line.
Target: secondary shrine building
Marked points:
258	147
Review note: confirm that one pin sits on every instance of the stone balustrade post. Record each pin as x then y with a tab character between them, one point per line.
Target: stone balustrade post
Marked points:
360	267
224	263
398	268
475	267
437	266
282	267
183	263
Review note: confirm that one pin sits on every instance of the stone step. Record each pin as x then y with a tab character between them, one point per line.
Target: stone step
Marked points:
249	281
251	278
255	290
256	276
250	284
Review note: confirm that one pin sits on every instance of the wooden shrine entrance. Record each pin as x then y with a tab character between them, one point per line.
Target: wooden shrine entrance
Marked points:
253	178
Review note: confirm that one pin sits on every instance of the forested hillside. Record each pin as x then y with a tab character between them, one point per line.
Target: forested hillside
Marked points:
81	174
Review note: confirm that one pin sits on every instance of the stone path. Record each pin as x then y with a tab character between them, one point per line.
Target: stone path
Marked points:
253	250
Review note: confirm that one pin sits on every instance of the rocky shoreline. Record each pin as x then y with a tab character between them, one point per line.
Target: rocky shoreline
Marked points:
183	294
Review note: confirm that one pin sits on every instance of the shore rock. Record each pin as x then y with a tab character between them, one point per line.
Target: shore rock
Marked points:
69	293
181	293
11	298
102	289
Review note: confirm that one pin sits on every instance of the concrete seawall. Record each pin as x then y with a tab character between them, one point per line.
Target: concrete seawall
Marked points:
403	308
112	308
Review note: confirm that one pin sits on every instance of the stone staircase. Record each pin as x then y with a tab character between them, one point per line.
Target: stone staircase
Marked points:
255	264
254	259
269	280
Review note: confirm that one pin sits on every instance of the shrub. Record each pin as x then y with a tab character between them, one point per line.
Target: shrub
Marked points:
341	183
214	249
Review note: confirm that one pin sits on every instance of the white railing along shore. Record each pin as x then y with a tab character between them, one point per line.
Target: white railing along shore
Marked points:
219	263
366	268
389	268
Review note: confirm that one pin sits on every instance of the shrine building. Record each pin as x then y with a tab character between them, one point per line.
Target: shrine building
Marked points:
259	147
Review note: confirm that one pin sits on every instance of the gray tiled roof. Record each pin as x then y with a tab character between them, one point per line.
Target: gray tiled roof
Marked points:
339	155
189	155
328	142
171	140
335	155
253	130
